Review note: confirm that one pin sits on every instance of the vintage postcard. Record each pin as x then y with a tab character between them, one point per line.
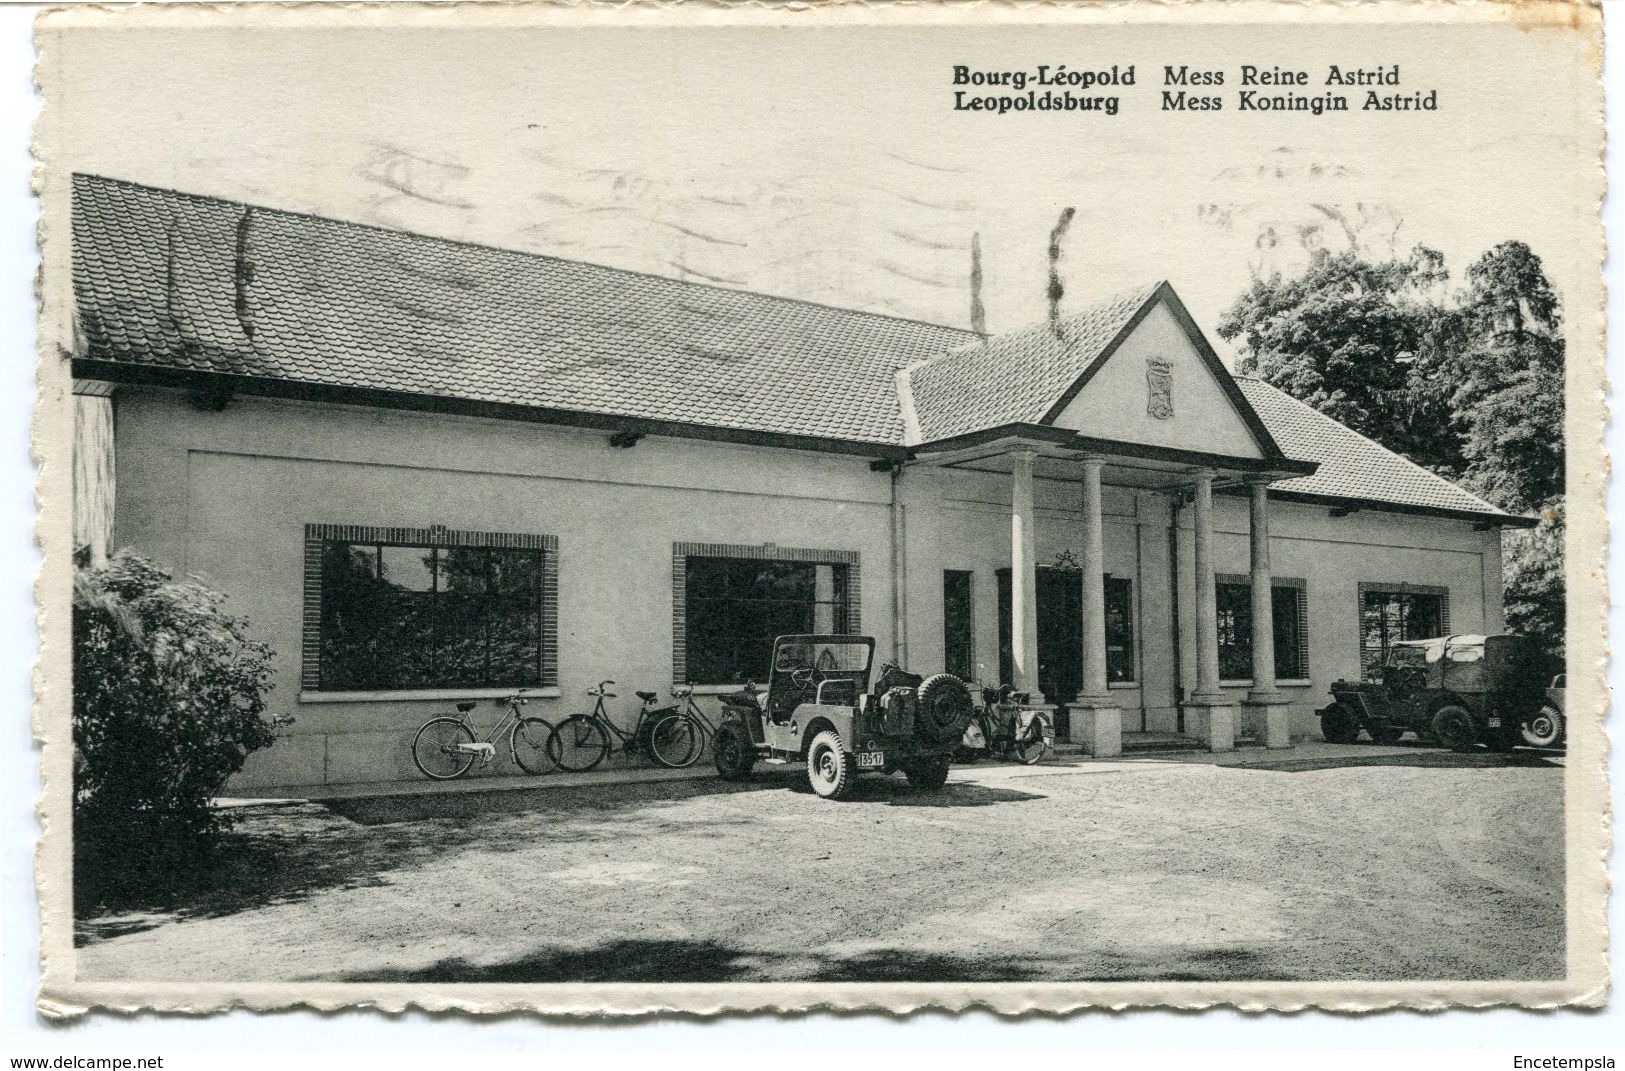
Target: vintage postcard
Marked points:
614	509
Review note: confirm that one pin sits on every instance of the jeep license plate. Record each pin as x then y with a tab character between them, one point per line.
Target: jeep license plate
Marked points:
871	760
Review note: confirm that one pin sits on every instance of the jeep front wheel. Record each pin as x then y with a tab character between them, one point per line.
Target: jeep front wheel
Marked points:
830	768
731	750
928	774
1454	728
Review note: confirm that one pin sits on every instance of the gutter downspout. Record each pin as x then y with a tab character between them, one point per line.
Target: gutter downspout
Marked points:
899	568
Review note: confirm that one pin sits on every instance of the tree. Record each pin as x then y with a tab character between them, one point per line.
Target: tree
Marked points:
1469	385
1344	337
1505	380
168	701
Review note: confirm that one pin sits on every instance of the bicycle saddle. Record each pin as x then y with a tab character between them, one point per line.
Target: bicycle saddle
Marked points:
465	707
648	697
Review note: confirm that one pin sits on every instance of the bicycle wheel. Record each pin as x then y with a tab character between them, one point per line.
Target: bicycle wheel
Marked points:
435	749
676	741
528	742
1030	743
577	744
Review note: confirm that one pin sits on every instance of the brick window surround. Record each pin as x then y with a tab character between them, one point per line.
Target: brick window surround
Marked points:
316	535
681	552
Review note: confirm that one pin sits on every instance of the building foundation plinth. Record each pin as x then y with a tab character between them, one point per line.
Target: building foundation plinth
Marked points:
1276	716
1213	723
1099	728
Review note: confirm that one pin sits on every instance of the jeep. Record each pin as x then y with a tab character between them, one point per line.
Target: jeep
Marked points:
819	709
1459	691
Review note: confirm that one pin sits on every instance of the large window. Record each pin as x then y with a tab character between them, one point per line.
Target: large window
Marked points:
1399	612
958	624
731	607
1289	620
401	609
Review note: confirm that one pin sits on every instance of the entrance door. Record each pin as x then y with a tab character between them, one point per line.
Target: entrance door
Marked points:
1060	632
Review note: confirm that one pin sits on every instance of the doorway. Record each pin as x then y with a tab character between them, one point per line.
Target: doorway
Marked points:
1060	634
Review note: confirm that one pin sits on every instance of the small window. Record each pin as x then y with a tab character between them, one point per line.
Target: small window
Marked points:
1401	612
1119	630
957	623
730	608
1289	624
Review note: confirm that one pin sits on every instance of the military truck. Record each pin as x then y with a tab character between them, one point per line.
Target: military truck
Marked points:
820	709
1458	691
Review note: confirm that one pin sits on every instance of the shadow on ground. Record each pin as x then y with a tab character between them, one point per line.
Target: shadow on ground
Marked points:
640	960
1422	757
288	854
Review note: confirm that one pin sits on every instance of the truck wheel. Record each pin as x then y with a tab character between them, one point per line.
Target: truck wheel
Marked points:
1545	729
928	774
1339	725
830	767
732	752
944	709
1454	728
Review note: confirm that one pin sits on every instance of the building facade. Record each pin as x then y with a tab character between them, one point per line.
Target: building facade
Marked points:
428	472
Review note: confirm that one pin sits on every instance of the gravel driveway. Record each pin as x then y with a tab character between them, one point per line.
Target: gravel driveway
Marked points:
1311	864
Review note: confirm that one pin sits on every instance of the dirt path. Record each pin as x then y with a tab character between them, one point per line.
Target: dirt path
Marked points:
1097	870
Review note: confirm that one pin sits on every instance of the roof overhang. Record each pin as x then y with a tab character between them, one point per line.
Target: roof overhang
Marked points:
1056	452
1356	505
225	385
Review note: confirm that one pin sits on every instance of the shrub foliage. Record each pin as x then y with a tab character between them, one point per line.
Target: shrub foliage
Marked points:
168	701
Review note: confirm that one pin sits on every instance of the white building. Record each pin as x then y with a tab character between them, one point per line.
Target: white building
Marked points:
429	471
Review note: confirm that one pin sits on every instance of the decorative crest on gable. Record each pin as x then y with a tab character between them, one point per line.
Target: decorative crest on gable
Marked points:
1159	385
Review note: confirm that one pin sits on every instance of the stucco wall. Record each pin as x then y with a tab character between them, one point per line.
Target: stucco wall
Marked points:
226	496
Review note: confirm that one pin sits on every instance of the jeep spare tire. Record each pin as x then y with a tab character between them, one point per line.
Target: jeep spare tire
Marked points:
944	709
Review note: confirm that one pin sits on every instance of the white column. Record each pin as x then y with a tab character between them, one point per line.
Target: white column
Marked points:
1023	579
1207	612
1209	712
1094	587
1264	702
1263	598
1097	723
94	473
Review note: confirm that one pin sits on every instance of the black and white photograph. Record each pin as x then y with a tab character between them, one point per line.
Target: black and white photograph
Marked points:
628	509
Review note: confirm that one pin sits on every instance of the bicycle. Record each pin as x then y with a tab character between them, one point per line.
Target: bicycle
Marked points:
679	739
444	747
1011	731
582	741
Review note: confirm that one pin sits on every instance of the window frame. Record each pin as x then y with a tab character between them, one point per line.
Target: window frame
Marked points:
968	640
318	536
1365	588
1300	587
682	551
1130	621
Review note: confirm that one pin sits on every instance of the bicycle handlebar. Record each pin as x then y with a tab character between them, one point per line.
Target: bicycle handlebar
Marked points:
602	690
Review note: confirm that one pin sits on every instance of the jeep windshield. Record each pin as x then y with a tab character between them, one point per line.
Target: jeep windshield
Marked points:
824	655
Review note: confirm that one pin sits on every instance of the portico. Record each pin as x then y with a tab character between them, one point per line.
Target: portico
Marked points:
1186	481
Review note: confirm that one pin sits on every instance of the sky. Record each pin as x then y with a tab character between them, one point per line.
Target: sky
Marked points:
827	163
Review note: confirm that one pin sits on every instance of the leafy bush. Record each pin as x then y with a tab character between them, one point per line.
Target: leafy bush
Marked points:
168	701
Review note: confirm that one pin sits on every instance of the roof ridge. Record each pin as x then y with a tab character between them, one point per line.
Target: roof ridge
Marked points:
1144	293
469	244
1491	507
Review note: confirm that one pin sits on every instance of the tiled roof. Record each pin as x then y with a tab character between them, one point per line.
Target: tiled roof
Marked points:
1016	377
346	305
1351	466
